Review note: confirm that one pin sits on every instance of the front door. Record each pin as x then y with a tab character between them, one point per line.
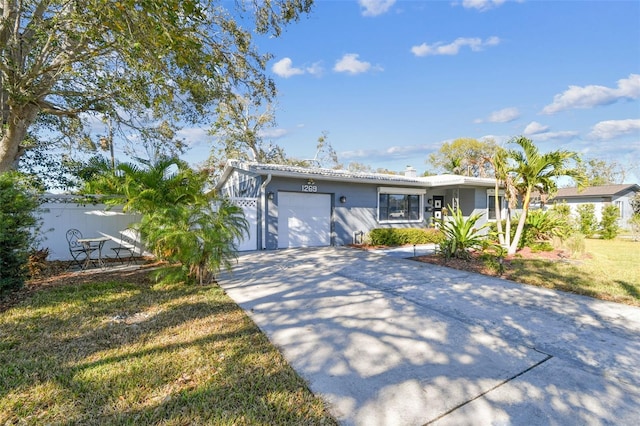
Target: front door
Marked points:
438	205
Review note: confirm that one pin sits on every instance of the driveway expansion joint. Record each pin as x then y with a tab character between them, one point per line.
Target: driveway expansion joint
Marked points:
504	382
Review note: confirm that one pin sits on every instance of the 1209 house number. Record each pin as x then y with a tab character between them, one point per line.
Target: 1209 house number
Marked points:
309	188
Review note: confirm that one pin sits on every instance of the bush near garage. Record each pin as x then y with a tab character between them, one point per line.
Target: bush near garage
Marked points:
404	236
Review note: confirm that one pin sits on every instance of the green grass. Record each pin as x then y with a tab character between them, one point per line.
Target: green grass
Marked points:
609	271
124	352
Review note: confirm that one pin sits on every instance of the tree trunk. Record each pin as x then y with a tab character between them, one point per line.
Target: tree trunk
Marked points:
15	132
523	217
498	207
507	232
516	238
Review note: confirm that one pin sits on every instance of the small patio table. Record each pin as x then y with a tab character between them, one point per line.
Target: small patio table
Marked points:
96	241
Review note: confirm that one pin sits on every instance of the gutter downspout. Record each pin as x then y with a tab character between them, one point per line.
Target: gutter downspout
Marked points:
265	208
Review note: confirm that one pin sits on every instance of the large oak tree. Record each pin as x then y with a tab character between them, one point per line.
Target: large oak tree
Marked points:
465	156
64	63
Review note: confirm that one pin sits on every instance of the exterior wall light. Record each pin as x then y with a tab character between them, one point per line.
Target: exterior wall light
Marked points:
270	195
343	199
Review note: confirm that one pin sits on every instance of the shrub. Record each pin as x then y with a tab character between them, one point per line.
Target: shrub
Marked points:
182	221
18	204
587	223
634	222
563	210
575	244
493	257
609	228
541	246
199	237
460	235
403	236
542	226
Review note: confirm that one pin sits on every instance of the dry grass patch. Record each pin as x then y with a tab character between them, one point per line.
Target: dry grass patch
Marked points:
128	351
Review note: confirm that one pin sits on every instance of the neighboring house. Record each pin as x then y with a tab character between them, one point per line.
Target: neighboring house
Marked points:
289	206
600	196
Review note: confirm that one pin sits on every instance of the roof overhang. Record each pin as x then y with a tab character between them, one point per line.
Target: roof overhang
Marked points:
321	174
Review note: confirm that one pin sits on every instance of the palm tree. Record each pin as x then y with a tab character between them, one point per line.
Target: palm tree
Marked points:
535	171
181	221
499	164
167	182
503	178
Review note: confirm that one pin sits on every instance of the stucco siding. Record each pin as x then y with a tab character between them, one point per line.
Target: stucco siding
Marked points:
359	212
468	200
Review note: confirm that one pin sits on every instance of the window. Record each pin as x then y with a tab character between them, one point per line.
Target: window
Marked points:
491	206
399	207
620	206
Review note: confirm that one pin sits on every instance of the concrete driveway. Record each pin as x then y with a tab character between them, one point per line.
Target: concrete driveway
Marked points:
390	341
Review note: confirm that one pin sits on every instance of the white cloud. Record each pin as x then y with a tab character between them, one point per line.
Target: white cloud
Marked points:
351	64
273	133
284	68
390	153
610	129
541	132
315	69
375	7
502	116
592	95
194	136
481	5
534	128
564	134
476	44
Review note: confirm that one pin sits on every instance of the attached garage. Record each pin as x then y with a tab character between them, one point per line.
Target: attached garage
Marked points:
304	220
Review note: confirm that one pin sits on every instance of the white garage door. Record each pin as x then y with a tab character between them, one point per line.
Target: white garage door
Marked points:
304	220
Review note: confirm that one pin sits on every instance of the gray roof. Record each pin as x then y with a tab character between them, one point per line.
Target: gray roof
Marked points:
319	173
597	191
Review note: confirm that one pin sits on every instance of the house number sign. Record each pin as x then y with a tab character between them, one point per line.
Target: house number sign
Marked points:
309	188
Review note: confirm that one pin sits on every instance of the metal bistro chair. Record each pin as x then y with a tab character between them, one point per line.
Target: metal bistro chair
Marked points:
80	253
126	249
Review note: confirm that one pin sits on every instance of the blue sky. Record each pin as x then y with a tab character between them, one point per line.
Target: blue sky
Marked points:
391	81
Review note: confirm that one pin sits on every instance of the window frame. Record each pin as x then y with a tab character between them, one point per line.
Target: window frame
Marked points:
491	204
406	192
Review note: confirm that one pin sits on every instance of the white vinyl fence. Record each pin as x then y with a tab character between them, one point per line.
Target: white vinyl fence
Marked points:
63	212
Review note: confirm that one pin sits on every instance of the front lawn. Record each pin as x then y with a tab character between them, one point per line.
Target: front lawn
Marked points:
118	349
609	270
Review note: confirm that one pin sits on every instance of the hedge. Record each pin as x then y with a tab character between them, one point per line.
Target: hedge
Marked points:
404	236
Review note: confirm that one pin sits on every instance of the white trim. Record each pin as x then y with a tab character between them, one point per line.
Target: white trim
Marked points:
501	197
421	202
400	191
